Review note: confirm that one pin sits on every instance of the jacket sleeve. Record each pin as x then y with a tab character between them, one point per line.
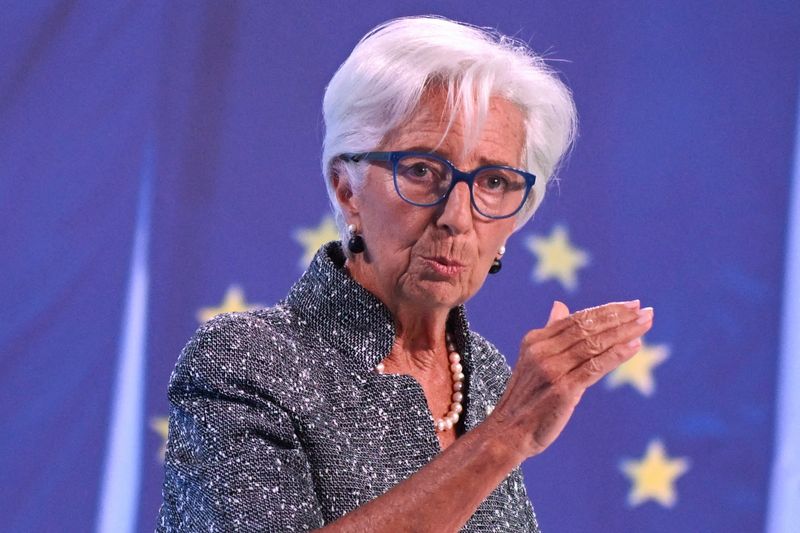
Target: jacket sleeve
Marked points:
495	373
233	461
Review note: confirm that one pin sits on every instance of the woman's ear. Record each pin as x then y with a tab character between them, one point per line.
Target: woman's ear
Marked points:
344	195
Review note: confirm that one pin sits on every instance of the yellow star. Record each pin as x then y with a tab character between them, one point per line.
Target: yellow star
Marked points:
312	238
232	302
557	258
638	370
654	476
160	424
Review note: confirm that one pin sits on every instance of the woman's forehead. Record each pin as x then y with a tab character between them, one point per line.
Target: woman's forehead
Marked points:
436	126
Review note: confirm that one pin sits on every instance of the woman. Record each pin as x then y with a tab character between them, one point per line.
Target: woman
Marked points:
363	401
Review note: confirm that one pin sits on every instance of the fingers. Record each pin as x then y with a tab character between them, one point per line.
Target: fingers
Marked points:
559	311
599	343
561	334
595	368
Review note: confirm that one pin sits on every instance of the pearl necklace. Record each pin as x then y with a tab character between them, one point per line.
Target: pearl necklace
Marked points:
451	418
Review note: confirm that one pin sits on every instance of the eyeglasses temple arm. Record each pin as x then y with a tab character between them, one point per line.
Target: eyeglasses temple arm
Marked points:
366	156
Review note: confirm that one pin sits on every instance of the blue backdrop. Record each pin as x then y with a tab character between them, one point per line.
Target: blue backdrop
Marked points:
159	163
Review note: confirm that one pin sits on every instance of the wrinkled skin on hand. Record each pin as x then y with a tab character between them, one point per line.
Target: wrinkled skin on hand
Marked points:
558	362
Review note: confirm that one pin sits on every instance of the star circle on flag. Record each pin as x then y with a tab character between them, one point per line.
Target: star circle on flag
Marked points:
232	302
638	370
653	476
312	238
557	258
160	424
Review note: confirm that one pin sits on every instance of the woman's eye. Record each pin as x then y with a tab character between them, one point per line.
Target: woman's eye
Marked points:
419	170
495	183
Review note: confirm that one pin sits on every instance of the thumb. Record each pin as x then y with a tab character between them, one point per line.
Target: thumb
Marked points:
559	311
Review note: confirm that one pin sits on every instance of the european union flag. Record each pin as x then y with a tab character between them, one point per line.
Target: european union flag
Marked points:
159	165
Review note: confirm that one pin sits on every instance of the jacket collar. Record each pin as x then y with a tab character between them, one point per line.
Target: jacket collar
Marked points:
337	306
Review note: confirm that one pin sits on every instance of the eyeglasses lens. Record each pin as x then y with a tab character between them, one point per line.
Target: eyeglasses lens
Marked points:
497	192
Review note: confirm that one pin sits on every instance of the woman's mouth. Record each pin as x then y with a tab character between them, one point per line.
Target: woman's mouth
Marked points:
444	266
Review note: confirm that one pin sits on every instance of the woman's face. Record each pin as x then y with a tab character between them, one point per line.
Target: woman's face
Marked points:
433	257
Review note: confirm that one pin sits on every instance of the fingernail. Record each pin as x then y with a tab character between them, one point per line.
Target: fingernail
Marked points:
645	315
633	304
635	343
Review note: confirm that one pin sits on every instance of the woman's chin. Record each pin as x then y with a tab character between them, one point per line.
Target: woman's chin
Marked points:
433	292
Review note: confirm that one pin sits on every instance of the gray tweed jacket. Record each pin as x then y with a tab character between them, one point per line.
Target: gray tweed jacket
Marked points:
279	422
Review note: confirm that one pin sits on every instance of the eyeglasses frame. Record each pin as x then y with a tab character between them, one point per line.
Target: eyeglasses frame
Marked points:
458	176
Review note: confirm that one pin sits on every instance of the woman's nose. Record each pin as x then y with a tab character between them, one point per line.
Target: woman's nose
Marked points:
457	211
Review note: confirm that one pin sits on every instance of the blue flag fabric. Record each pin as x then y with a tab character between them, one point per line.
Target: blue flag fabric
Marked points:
159	164
784	503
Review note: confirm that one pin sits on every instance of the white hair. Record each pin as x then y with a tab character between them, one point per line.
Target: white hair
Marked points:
380	85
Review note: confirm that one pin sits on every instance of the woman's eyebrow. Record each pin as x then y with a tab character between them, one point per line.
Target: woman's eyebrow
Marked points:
426	149
483	160
486	162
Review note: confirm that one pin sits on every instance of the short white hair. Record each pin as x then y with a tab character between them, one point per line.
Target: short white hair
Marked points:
381	83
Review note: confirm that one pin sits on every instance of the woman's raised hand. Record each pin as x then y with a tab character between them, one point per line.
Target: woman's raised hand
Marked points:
558	362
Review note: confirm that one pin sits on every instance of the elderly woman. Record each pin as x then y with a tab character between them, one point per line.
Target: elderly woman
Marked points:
363	401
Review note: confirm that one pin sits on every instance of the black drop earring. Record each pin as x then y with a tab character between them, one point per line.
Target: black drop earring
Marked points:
497	264
356	242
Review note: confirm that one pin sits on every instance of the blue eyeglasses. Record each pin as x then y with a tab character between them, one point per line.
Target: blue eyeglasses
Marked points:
426	179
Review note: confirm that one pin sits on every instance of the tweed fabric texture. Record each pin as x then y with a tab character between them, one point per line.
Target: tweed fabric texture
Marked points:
279	422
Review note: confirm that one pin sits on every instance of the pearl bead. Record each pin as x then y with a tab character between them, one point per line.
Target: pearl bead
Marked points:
451	418
379	367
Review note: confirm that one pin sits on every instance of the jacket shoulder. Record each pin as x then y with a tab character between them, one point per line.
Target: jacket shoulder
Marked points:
250	350
493	365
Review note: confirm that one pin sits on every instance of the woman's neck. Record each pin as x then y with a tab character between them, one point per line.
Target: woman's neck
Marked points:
420	330
420	341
